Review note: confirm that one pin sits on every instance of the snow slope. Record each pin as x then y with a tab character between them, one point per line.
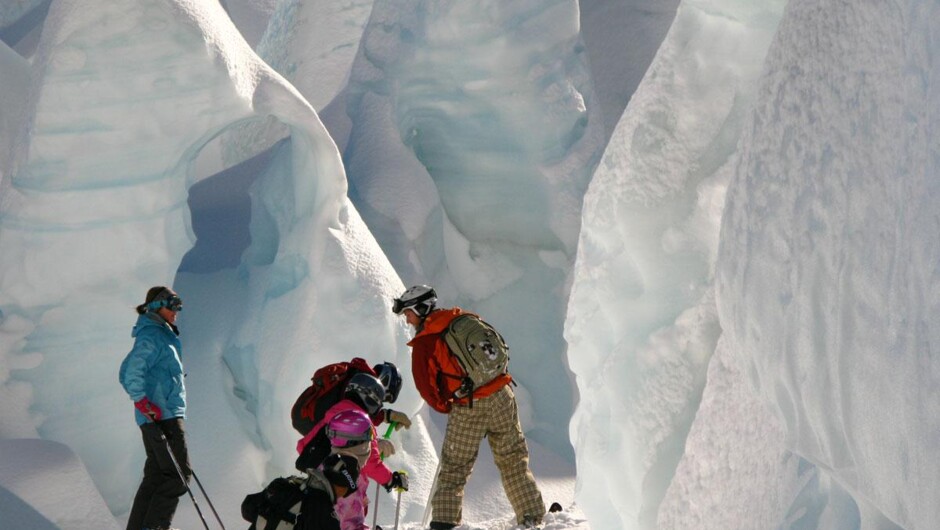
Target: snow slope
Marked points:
828	281
44	486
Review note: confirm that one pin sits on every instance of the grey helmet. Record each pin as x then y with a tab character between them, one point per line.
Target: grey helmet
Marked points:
368	390
421	299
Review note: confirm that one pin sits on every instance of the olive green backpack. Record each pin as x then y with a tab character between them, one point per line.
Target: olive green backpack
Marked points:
479	348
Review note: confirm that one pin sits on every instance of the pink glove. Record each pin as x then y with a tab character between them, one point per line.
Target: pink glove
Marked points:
148	409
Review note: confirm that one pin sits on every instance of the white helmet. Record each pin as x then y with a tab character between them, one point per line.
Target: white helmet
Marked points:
421	299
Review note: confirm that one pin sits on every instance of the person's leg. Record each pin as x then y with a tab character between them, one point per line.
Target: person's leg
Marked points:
169	488
351	510
145	491
512	457
465	429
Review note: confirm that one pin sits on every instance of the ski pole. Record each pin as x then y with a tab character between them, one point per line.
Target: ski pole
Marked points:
398	510
375	511
427	507
206	495
179	471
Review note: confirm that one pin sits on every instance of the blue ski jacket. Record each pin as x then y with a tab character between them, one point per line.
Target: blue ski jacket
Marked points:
154	368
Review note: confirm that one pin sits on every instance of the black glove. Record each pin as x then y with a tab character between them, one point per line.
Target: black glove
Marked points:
399	481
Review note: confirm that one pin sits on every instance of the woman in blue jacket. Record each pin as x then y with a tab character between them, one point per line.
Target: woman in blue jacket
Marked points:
152	375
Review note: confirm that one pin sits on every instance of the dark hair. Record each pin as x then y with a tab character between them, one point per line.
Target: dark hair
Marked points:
152	294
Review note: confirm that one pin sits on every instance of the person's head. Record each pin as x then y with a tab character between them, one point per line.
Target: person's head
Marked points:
415	304
390	377
367	391
349	427
342	472
162	301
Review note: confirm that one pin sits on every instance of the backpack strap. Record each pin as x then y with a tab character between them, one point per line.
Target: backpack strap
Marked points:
318	481
466	388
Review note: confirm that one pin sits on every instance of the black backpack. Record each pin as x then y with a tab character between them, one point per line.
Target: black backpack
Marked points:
278	506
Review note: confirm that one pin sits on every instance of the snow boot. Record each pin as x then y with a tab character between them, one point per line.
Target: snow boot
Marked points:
530	521
555	508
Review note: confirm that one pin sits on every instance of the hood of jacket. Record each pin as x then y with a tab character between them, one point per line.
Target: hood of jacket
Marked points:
151	319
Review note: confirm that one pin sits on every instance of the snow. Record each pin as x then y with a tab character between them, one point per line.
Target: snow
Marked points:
43	486
827	273
642	323
707	230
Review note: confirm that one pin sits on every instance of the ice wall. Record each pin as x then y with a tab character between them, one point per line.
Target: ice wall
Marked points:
44	486
473	136
14	82
827	278
13	10
312	43
124	98
621	38
642	323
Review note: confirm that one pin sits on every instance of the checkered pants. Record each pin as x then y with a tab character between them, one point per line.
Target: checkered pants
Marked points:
497	417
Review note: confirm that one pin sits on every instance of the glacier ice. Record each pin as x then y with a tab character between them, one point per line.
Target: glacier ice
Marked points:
473	135
621	38
124	97
641	324
14	84
28	499
827	277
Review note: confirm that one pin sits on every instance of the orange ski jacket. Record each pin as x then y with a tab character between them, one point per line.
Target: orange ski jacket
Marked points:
436	372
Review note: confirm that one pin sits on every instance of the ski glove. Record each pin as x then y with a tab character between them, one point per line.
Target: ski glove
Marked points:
386	447
148	409
400	419
399	481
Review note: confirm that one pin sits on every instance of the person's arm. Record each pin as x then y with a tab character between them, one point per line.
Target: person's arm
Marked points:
425	370
375	469
135	367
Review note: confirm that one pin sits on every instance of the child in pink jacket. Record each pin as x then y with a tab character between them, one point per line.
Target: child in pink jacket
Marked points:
350	430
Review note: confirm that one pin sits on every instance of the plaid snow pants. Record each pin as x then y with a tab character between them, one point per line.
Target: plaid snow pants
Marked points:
497	417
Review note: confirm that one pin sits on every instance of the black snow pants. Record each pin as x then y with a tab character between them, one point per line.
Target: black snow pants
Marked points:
160	490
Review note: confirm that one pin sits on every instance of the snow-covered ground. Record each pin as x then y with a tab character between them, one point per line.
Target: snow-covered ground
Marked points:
707	228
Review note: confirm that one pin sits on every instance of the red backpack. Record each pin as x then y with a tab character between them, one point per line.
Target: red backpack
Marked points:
326	390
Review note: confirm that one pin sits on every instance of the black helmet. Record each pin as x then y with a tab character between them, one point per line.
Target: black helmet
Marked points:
368	390
420	298
390	377
342	470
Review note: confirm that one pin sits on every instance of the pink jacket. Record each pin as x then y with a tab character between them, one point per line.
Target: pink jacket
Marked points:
374	469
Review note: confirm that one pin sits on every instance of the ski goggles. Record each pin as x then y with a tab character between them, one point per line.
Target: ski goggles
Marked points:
348	437
398	305
172	302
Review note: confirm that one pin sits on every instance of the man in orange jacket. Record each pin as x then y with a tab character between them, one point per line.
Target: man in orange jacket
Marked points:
489	410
